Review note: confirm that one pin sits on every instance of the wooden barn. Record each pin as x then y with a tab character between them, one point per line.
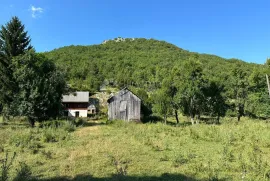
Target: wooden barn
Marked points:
125	105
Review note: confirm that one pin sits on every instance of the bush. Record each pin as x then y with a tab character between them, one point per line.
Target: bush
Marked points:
69	126
54	135
22	139
49	135
79	122
5	166
50	124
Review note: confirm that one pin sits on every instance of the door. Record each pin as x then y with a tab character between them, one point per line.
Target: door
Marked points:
123	110
77	114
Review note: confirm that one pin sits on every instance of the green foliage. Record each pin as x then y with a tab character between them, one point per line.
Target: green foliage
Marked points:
40	88
14	41
150	65
69	126
162	104
50	135
6	164
191	85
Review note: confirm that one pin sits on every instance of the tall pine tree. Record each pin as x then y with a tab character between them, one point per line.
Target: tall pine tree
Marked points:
14	41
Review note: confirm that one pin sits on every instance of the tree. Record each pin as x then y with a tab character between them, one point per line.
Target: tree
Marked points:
240	86
170	88
14	41
162	104
146	105
191	84
215	103
40	88
257	104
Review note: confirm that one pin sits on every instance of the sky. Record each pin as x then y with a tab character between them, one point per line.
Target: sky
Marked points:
227	28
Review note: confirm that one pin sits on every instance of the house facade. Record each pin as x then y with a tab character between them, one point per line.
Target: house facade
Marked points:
76	104
125	105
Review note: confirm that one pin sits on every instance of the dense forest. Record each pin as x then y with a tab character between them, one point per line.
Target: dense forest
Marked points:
168	78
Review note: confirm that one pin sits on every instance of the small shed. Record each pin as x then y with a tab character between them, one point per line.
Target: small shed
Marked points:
125	105
92	109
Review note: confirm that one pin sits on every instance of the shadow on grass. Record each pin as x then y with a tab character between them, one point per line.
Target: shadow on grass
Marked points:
158	119
93	123
164	177
209	120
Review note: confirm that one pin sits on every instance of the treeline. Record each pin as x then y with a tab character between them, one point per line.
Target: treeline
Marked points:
168	78
30	83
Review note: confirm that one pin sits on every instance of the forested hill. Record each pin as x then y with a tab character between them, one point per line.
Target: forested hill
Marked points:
131	62
148	66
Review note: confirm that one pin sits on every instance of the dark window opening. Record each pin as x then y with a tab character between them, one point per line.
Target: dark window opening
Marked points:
65	113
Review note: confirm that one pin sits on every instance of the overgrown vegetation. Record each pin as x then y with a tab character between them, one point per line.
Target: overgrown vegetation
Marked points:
130	151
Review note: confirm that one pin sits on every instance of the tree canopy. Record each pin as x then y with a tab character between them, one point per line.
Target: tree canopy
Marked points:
30	84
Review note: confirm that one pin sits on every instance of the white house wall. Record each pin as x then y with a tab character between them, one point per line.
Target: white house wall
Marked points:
82	113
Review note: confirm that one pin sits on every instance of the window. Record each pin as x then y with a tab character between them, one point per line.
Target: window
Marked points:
77	114
123	106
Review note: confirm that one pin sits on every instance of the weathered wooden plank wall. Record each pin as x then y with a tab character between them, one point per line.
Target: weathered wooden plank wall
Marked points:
124	106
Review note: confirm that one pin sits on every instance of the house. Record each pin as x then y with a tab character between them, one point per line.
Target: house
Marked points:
76	104
125	105
92	109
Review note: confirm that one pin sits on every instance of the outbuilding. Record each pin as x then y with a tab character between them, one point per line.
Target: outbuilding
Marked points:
124	105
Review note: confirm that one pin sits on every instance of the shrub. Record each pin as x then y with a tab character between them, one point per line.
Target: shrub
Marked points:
50	124
54	135
49	135
5	166
69	126
22	139
79	122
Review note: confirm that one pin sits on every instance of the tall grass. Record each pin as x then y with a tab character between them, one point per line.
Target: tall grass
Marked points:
230	151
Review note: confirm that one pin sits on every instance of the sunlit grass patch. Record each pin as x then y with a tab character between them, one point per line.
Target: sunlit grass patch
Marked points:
230	151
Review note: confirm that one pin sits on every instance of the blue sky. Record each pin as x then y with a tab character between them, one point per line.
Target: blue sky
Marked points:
228	28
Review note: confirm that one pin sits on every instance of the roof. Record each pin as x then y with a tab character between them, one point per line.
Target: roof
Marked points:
76	97
120	92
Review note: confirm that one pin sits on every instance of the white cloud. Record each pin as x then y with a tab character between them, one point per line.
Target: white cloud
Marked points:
36	11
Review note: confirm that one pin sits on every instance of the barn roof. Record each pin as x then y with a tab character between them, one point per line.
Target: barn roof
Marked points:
120	91
76	97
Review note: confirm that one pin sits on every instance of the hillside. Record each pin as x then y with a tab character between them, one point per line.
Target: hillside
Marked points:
131	61
145	64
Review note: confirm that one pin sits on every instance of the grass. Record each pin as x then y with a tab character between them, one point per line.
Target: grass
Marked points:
153	151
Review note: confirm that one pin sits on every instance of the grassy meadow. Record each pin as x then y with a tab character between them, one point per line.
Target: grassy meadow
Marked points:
97	150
